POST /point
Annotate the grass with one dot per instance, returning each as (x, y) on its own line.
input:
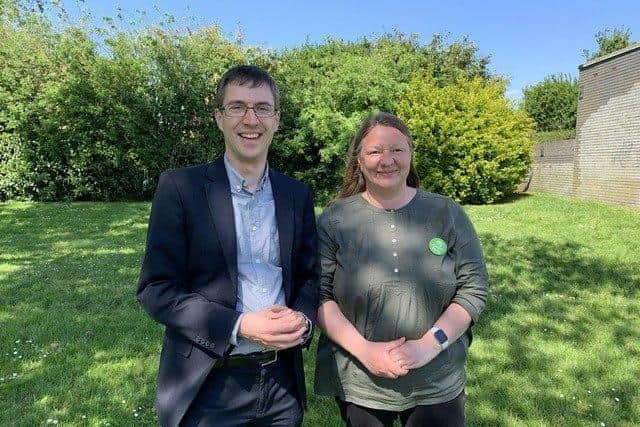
(554, 135)
(559, 342)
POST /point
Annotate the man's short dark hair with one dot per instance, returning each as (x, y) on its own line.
(246, 74)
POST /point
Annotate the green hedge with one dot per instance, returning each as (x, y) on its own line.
(82, 120)
(552, 103)
(469, 142)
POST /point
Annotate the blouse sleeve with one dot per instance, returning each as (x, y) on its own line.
(470, 268)
(327, 248)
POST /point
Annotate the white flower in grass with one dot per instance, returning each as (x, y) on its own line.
(602, 424)
(616, 399)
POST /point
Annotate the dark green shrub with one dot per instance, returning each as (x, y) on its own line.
(329, 88)
(552, 103)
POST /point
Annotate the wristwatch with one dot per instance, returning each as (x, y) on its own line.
(441, 336)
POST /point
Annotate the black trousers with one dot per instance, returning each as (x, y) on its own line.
(246, 396)
(447, 414)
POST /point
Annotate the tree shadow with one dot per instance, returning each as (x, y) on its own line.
(546, 336)
(560, 322)
(85, 352)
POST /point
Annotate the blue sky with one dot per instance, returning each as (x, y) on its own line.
(526, 40)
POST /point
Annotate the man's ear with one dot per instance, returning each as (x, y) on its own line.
(277, 121)
(218, 116)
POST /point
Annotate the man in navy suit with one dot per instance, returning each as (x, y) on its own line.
(230, 270)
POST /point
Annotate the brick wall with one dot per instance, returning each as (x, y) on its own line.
(603, 162)
(552, 168)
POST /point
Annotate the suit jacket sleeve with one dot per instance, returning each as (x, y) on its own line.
(306, 268)
(162, 288)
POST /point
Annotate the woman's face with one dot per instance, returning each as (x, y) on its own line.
(385, 159)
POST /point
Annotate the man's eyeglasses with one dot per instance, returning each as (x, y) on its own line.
(239, 110)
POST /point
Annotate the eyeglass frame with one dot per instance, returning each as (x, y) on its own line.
(224, 109)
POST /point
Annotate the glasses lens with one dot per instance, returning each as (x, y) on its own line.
(263, 110)
(235, 110)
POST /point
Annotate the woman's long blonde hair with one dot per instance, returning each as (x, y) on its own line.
(354, 182)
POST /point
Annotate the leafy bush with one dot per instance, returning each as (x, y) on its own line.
(329, 88)
(552, 103)
(100, 122)
(87, 120)
(609, 40)
(470, 143)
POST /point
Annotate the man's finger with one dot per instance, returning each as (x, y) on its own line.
(287, 339)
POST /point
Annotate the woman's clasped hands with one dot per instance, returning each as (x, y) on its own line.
(393, 359)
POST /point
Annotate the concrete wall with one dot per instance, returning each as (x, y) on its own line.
(603, 162)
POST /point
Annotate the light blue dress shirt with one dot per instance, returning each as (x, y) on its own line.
(258, 243)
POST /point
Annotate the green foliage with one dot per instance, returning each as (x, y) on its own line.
(88, 120)
(609, 40)
(470, 144)
(329, 88)
(552, 103)
(100, 122)
(554, 135)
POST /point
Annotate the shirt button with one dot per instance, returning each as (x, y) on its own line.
(395, 254)
(393, 226)
(395, 270)
(394, 240)
(254, 228)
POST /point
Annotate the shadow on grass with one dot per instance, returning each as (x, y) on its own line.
(68, 284)
(548, 335)
(85, 353)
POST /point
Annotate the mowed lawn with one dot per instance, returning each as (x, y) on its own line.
(559, 342)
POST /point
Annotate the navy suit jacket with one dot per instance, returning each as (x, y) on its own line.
(189, 276)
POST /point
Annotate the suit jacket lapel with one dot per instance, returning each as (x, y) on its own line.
(285, 220)
(221, 208)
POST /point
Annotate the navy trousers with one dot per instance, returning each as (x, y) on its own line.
(246, 396)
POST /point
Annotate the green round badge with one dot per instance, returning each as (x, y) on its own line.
(437, 246)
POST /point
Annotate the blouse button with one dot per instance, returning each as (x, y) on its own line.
(393, 226)
(395, 254)
(394, 240)
(395, 270)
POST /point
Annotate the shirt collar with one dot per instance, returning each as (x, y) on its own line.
(237, 181)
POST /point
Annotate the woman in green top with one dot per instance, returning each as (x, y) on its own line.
(403, 279)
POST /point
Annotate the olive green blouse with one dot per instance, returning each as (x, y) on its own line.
(378, 266)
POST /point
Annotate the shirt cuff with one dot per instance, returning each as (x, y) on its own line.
(305, 337)
(233, 339)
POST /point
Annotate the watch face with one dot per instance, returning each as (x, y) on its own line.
(441, 336)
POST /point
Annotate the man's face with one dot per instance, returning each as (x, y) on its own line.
(247, 138)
